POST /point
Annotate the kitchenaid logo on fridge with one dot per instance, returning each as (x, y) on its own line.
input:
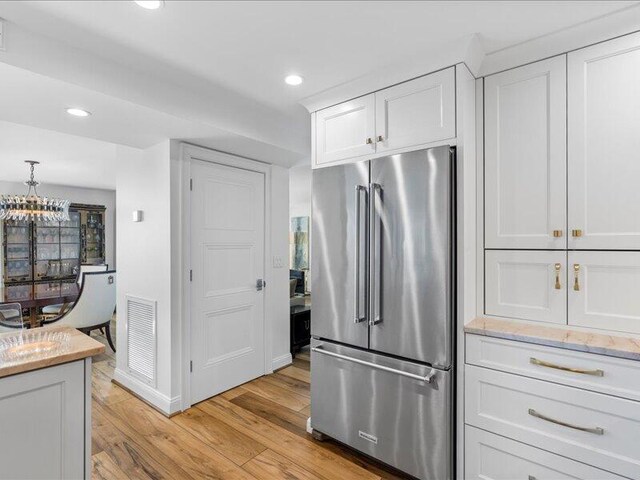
(368, 437)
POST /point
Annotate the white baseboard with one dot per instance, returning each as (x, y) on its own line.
(165, 404)
(281, 361)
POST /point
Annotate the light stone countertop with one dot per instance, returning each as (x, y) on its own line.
(614, 345)
(80, 346)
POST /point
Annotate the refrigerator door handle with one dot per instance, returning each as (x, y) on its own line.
(427, 378)
(375, 316)
(357, 318)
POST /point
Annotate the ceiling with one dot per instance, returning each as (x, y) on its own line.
(64, 159)
(212, 71)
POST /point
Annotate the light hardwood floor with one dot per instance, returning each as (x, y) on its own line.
(255, 431)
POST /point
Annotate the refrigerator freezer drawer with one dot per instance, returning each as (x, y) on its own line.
(396, 411)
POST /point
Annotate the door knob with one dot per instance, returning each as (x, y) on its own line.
(260, 284)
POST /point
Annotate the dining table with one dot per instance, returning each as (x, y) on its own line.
(35, 300)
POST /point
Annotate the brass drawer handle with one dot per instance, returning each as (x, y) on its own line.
(542, 363)
(380, 138)
(576, 233)
(557, 233)
(369, 141)
(594, 430)
(557, 267)
(576, 281)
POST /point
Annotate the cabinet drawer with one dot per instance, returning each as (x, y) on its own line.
(596, 429)
(599, 373)
(492, 457)
(530, 285)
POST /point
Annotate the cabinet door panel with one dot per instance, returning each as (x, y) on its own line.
(42, 414)
(416, 112)
(525, 156)
(603, 139)
(342, 131)
(607, 294)
(530, 285)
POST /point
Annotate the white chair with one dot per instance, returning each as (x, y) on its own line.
(52, 311)
(10, 317)
(95, 305)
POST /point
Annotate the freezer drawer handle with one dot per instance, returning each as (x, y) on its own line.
(427, 379)
(594, 430)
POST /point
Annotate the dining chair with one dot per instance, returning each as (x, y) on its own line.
(94, 307)
(10, 317)
(52, 311)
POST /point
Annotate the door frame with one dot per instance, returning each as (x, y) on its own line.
(187, 154)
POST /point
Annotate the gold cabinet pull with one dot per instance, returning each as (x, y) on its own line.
(576, 233)
(380, 138)
(557, 233)
(542, 363)
(369, 141)
(594, 430)
(576, 281)
(558, 267)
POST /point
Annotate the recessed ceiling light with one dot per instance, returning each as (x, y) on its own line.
(78, 112)
(293, 80)
(151, 4)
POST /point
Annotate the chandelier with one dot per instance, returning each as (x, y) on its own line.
(32, 206)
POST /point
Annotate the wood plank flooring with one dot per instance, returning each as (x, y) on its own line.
(255, 431)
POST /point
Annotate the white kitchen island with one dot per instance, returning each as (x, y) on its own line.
(45, 411)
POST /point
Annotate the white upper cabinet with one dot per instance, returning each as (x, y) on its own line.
(397, 119)
(525, 157)
(345, 131)
(530, 285)
(604, 145)
(604, 290)
(417, 112)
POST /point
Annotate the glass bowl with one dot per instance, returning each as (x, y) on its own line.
(28, 345)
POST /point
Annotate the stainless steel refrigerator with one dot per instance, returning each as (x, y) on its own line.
(383, 276)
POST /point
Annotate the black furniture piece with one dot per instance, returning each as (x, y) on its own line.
(300, 320)
(299, 276)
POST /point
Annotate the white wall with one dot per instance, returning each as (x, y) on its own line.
(278, 307)
(78, 195)
(300, 191)
(144, 261)
(300, 200)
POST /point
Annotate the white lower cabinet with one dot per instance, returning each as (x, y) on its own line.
(530, 285)
(595, 429)
(492, 457)
(45, 423)
(605, 290)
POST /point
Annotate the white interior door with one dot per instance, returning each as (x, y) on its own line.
(227, 258)
(604, 141)
(530, 285)
(525, 157)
